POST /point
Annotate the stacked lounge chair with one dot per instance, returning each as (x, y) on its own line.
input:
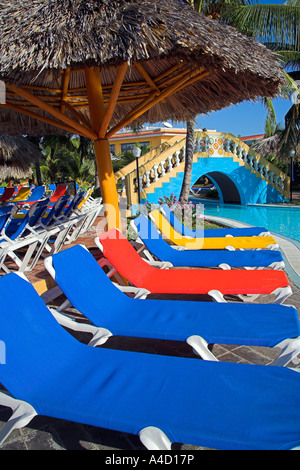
(157, 246)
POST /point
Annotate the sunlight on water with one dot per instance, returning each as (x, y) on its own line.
(282, 220)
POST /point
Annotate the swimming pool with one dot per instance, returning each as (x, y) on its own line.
(282, 220)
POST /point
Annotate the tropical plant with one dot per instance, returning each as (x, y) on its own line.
(66, 157)
(276, 26)
(191, 215)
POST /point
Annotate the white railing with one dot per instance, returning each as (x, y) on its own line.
(204, 143)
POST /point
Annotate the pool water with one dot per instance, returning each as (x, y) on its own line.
(281, 220)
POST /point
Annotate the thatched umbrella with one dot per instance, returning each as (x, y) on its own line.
(17, 155)
(92, 67)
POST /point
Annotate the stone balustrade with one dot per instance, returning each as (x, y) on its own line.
(204, 143)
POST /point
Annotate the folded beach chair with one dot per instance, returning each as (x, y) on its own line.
(210, 243)
(52, 187)
(54, 225)
(7, 195)
(163, 399)
(157, 246)
(210, 232)
(22, 194)
(72, 220)
(19, 234)
(55, 210)
(59, 191)
(35, 196)
(197, 323)
(217, 283)
(87, 199)
(6, 214)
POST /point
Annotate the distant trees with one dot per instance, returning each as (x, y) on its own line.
(278, 28)
(67, 157)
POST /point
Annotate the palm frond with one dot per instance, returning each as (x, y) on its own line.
(268, 23)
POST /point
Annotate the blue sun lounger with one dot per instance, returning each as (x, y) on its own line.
(163, 399)
(217, 232)
(92, 293)
(156, 245)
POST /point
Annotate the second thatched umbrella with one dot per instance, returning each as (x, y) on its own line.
(94, 67)
(17, 155)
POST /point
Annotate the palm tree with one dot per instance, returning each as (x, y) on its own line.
(276, 26)
(66, 156)
(213, 9)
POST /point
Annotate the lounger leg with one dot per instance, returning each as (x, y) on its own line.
(290, 348)
(100, 335)
(282, 293)
(154, 439)
(22, 414)
(248, 297)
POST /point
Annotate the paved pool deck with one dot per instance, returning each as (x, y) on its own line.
(44, 433)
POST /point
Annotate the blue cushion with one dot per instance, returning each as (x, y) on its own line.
(95, 296)
(213, 404)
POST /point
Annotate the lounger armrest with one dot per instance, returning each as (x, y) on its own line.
(273, 246)
(200, 347)
(154, 439)
(159, 264)
(140, 292)
(179, 248)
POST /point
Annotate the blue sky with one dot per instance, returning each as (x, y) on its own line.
(246, 118)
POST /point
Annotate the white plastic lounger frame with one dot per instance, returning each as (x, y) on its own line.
(8, 250)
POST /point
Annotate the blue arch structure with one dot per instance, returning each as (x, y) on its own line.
(235, 183)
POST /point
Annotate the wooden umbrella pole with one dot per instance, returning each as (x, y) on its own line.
(102, 152)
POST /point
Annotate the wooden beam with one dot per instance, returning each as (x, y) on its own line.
(113, 99)
(193, 80)
(95, 97)
(169, 72)
(146, 76)
(170, 80)
(50, 121)
(54, 112)
(152, 100)
(102, 151)
(78, 115)
(64, 94)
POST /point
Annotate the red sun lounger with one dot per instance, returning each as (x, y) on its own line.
(217, 283)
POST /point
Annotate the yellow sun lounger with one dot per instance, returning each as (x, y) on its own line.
(217, 243)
